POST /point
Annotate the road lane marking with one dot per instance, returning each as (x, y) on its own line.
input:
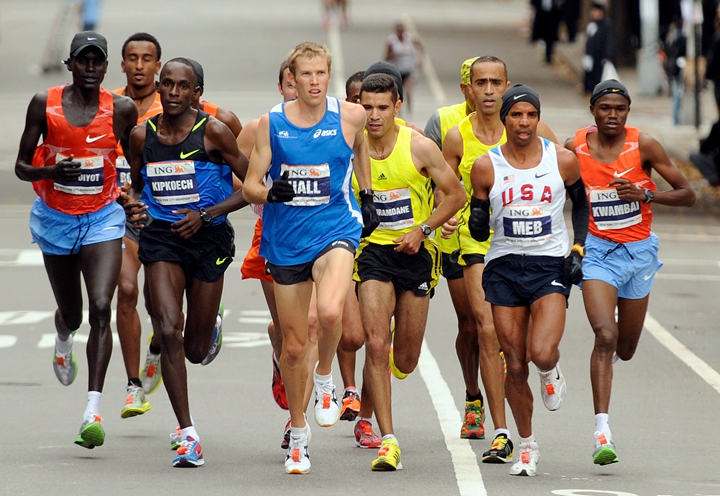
(467, 472)
(697, 364)
(7, 341)
(428, 67)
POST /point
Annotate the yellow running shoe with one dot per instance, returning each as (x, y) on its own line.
(135, 402)
(388, 459)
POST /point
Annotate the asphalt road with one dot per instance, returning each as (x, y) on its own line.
(664, 412)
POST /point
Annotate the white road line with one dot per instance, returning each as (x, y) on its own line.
(428, 67)
(467, 473)
(338, 62)
(7, 341)
(681, 351)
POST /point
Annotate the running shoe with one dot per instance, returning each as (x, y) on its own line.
(189, 454)
(504, 366)
(552, 388)
(527, 464)
(65, 366)
(91, 432)
(327, 409)
(175, 438)
(278, 387)
(388, 459)
(285, 444)
(150, 375)
(350, 405)
(395, 371)
(604, 453)
(473, 427)
(216, 342)
(135, 403)
(365, 436)
(501, 450)
(297, 460)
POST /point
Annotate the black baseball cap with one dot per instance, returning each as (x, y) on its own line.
(390, 70)
(86, 39)
(607, 87)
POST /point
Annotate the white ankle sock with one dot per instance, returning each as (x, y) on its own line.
(93, 404)
(389, 436)
(63, 346)
(602, 423)
(501, 431)
(530, 439)
(297, 432)
(190, 431)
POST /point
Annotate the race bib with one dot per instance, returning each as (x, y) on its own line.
(123, 170)
(173, 183)
(90, 182)
(610, 212)
(394, 209)
(311, 184)
(527, 225)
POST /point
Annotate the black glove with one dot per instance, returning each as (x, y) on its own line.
(369, 214)
(479, 223)
(281, 190)
(572, 269)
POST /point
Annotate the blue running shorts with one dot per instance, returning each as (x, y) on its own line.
(630, 267)
(58, 233)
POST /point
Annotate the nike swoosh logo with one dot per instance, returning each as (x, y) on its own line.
(93, 140)
(555, 283)
(541, 175)
(220, 261)
(622, 173)
(648, 276)
(184, 155)
(519, 96)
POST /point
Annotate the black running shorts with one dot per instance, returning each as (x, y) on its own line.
(204, 256)
(294, 274)
(519, 280)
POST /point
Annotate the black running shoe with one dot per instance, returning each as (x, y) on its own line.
(501, 450)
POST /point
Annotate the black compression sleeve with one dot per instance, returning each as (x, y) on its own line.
(580, 211)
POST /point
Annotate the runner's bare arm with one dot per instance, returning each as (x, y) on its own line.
(357, 116)
(35, 127)
(254, 190)
(230, 120)
(570, 171)
(137, 145)
(653, 154)
(125, 116)
(246, 138)
(482, 178)
(453, 149)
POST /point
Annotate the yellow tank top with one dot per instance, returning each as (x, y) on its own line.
(403, 196)
(450, 116)
(472, 149)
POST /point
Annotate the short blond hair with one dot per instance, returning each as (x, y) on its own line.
(308, 50)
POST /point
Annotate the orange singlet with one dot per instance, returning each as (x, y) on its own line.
(210, 108)
(123, 167)
(613, 219)
(94, 146)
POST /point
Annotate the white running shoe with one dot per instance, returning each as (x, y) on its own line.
(297, 460)
(327, 408)
(552, 388)
(528, 460)
(150, 375)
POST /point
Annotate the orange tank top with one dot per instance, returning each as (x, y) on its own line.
(94, 146)
(613, 219)
(123, 167)
(210, 108)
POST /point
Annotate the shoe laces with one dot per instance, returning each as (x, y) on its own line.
(64, 359)
(499, 443)
(185, 445)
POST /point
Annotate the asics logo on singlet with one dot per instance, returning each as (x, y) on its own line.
(184, 155)
(519, 96)
(283, 134)
(325, 132)
(88, 139)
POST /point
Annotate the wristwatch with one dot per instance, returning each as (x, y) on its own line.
(649, 196)
(205, 217)
(425, 229)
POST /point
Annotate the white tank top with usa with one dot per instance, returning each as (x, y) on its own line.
(527, 207)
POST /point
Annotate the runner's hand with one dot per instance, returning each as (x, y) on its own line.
(67, 169)
(410, 242)
(188, 225)
(573, 268)
(449, 228)
(281, 190)
(135, 212)
(479, 223)
(369, 214)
